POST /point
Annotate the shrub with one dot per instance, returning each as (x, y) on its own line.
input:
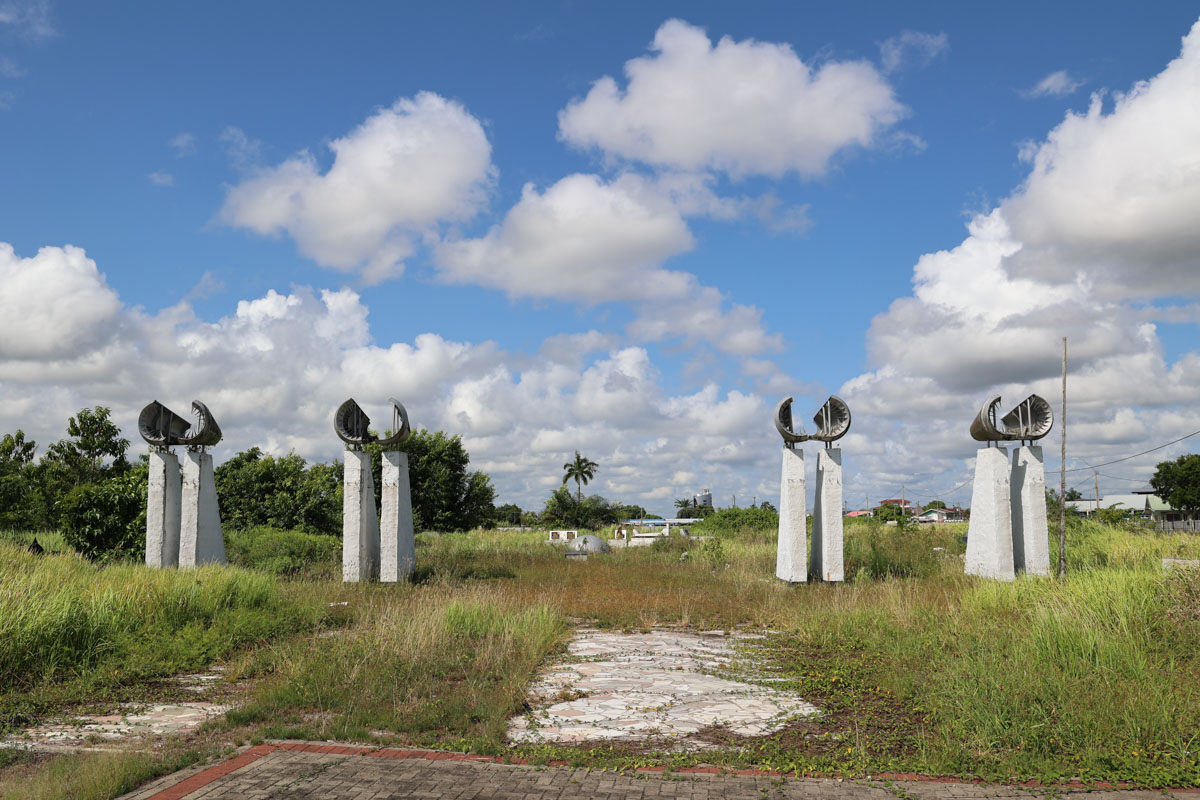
(106, 521)
(733, 521)
(286, 553)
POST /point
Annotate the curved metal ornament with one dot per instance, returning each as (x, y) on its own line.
(783, 423)
(205, 431)
(399, 424)
(1031, 420)
(352, 425)
(160, 426)
(833, 420)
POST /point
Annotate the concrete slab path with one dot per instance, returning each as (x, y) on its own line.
(302, 770)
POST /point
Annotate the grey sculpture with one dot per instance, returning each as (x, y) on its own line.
(832, 420)
(1031, 420)
(792, 562)
(183, 521)
(162, 427)
(1008, 532)
(375, 547)
(352, 425)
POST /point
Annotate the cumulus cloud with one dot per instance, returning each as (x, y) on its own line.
(1113, 197)
(1056, 84)
(161, 178)
(406, 169)
(275, 367)
(912, 48)
(744, 108)
(54, 304)
(29, 18)
(582, 239)
(1107, 219)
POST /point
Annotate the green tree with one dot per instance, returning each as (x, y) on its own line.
(256, 489)
(107, 520)
(16, 450)
(933, 504)
(508, 515)
(682, 505)
(94, 437)
(1178, 483)
(581, 470)
(591, 512)
(445, 495)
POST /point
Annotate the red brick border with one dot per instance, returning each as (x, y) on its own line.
(217, 771)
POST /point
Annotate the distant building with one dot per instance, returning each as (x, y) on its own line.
(942, 515)
(702, 499)
(905, 506)
(862, 512)
(1139, 504)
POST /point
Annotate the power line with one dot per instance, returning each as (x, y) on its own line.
(1127, 458)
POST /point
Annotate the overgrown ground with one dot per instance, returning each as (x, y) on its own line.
(917, 668)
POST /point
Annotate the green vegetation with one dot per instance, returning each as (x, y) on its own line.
(1178, 483)
(916, 667)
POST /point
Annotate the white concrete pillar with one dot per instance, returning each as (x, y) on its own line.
(397, 548)
(360, 525)
(163, 499)
(1031, 534)
(989, 536)
(200, 537)
(791, 555)
(827, 555)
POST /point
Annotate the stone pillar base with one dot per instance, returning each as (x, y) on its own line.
(791, 557)
(360, 526)
(990, 534)
(164, 498)
(397, 547)
(1031, 533)
(827, 552)
(200, 537)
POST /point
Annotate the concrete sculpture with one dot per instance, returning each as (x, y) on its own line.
(375, 547)
(1008, 532)
(183, 521)
(791, 559)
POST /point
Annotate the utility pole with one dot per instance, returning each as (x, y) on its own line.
(903, 505)
(1096, 484)
(1062, 477)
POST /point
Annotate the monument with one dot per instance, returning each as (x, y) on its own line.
(1008, 531)
(792, 563)
(373, 547)
(183, 521)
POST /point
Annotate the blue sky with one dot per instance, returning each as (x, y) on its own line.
(738, 213)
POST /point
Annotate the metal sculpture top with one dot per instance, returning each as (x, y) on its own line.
(832, 419)
(352, 425)
(1029, 421)
(162, 427)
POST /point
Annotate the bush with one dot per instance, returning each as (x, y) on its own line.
(734, 521)
(287, 553)
(107, 521)
(880, 551)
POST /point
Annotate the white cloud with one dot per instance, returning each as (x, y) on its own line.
(912, 48)
(1114, 197)
(405, 170)
(53, 305)
(1109, 216)
(161, 178)
(244, 152)
(275, 368)
(29, 18)
(1056, 84)
(583, 239)
(744, 107)
(10, 68)
(700, 315)
(184, 143)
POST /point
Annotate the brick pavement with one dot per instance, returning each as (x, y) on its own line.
(299, 770)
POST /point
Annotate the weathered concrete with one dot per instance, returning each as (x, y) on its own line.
(397, 546)
(827, 551)
(360, 525)
(163, 501)
(1030, 532)
(791, 555)
(989, 536)
(200, 537)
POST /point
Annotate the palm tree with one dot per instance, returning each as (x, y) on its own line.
(683, 504)
(581, 470)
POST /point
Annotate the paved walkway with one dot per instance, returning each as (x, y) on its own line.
(634, 686)
(299, 770)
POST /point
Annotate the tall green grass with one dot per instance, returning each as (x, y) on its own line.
(64, 619)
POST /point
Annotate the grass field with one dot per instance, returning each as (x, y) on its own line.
(917, 667)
